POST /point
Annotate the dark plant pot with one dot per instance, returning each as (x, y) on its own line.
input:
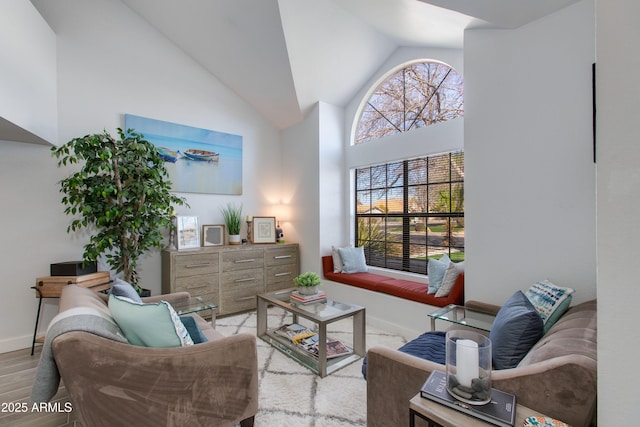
(145, 293)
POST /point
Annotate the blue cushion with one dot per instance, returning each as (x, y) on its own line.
(120, 288)
(435, 270)
(517, 327)
(194, 330)
(429, 346)
(353, 260)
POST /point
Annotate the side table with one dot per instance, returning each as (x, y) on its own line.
(461, 315)
(438, 415)
(196, 305)
(51, 287)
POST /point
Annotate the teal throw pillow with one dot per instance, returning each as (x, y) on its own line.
(435, 270)
(517, 328)
(353, 260)
(194, 330)
(120, 288)
(550, 301)
(149, 325)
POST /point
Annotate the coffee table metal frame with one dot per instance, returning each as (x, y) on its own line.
(322, 314)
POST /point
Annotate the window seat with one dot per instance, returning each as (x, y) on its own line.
(406, 289)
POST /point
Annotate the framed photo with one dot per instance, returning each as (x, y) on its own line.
(213, 235)
(263, 229)
(188, 232)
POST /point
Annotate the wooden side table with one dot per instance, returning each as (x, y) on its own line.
(438, 415)
(51, 287)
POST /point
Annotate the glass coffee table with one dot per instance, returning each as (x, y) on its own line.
(461, 315)
(321, 314)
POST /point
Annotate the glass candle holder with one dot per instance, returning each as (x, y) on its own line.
(468, 356)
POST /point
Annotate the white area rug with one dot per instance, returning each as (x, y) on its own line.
(292, 395)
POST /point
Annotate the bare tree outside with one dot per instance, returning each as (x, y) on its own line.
(416, 96)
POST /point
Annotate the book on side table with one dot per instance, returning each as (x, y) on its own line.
(501, 411)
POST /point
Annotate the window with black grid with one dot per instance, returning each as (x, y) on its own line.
(411, 210)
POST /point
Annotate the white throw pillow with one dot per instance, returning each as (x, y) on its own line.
(337, 260)
(450, 276)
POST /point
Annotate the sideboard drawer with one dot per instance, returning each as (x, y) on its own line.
(242, 260)
(280, 256)
(193, 264)
(282, 273)
(252, 276)
(198, 285)
(240, 294)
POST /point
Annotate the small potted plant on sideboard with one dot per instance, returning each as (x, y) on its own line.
(232, 216)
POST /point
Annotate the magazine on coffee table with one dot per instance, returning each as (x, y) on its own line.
(500, 411)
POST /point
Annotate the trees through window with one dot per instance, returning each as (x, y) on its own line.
(416, 96)
(411, 210)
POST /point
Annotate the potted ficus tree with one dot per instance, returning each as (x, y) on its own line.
(121, 195)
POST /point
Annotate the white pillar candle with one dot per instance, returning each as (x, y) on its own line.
(466, 361)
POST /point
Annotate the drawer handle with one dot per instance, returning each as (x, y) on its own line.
(288, 273)
(197, 286)
(205, 264)
(282, 256)
(245, 298)
(244, 260)
(247, 279)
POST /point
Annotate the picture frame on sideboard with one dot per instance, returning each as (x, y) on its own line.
(213, 235)
(263, 229)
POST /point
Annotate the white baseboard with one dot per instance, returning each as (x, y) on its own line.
(16, 343)
(388, 312)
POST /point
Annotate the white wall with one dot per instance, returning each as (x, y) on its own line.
(27, 72)
(618, 209)
(529, 184)
(110, 62)
(313, 185)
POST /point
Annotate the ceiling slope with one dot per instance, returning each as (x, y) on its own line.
(241, 42)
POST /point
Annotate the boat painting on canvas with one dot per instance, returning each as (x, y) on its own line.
(197, 160)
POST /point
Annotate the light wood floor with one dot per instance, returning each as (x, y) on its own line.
(17, 371)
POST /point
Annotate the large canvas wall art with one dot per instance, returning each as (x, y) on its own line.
(197, 160)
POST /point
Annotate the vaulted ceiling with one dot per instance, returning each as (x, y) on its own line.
(282, 56)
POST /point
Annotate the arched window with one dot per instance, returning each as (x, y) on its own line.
(409, 211)
(416, 96)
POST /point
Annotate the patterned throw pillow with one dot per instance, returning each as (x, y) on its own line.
(149, 325)
(550, 301)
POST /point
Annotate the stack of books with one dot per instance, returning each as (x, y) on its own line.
(319, 296)
(501, 411)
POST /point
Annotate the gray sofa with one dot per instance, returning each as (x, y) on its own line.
(115, 383)
(557, 377)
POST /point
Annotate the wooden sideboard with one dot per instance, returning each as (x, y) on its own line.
(230, 276)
